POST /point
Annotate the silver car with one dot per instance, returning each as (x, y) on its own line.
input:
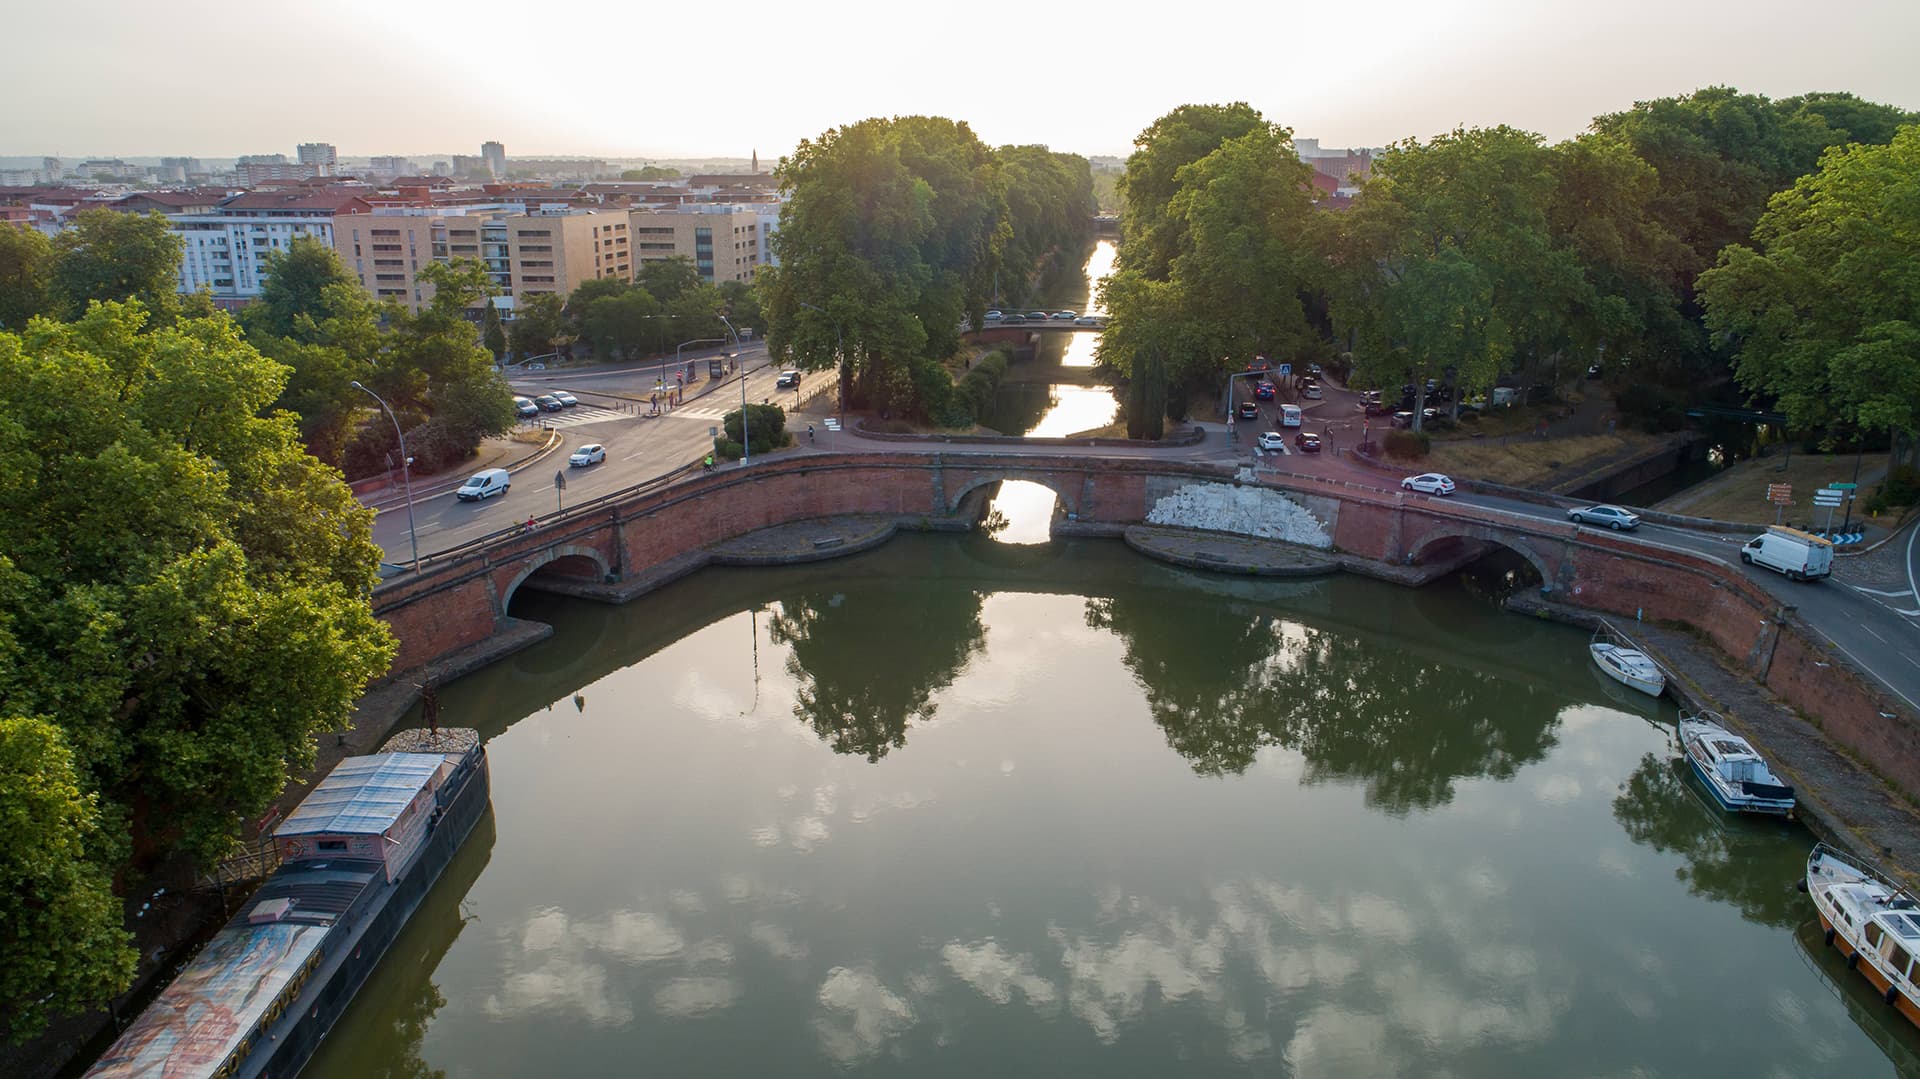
(1611, 516)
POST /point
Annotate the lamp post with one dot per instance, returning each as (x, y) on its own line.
(406, 472)
(840, 354)
(746, 450)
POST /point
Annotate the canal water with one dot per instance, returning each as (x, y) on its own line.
(958, 807)
(1057, 409)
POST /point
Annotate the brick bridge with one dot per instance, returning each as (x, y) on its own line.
(631, 544)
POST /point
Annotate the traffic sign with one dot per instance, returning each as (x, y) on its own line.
(1842, 486)
(1286, 369)
(1826, 498)
(1780, 494)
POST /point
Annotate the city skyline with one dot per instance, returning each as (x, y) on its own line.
(436, 76)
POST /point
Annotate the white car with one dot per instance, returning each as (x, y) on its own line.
(1273, 440)
(566, 399)
(590, 454)
(1090, 320)
(1612, 516)
(994, 316)
(1432, 483)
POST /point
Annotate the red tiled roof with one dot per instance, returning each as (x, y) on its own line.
(315, 202)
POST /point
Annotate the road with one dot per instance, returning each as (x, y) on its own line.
(1876, 637)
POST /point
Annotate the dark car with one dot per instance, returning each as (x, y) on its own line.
(548, 404)
(787, 378)
(1307, 441)
(1249, 410)
(1010, 320)
(1375, 408)
(1263, 390)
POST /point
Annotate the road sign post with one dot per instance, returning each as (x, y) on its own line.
(559, 486)
(1847, 517)
(1830, 498)
(1781, 495)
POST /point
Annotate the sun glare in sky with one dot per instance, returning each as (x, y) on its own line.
(625, 80)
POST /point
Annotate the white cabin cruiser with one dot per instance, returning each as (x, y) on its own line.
(1734, 773)
(1874, 922)
(1629, 667)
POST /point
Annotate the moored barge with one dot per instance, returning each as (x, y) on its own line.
(357, 857)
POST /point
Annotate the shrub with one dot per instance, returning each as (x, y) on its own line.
(973, 396)
(1902, 486)
(766, 427)
(1407, 444)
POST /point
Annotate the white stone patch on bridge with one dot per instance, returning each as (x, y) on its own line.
(1244, 511)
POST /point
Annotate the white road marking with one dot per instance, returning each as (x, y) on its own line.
(1876, 636)
(1911, 703)
(1877, 592)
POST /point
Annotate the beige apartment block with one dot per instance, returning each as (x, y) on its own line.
(724, 246)
(554, 252)
(524, 253)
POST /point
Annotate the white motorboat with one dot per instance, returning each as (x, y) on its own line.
(1629, 667)
(1874, 922)
(1734, 773)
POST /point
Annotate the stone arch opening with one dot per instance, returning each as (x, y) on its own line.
(1496, 567)
(1065, 500)
(565, 570)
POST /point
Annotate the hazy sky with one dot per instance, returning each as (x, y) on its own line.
(88, 77)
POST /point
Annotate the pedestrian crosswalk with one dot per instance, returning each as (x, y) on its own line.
(578, 415)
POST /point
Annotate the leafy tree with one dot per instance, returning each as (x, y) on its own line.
(896, 227)
(539, 324)
(62, 946)
(1826, 312)
(651, 172)
(493, 335)
(1172, 142)
(621, 323)
(457, 284)
(1050, 209)
(1448, 265)
(110, 256)
(667, 280)
(26, 268)
(188, 595)
(741, 303)
(295, 298)
(314, 317)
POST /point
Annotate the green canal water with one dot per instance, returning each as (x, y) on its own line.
(959, 807)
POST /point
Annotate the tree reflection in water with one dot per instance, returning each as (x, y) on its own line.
(1226, 683)
(1727, 858)
(865, 667)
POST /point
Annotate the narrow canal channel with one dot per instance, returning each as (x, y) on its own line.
(962, 807)
(1029, 404)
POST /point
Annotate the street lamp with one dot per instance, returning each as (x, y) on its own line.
(839, 355)
(746, 450)
(406, 472)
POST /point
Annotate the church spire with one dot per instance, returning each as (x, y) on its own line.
(756, 161)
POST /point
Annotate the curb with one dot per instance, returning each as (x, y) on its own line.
(400, 498)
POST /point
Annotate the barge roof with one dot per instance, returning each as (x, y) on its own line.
(363, 795)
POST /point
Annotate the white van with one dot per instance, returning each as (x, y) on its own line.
(1799, 555)
(484, 484)
(1290, 415)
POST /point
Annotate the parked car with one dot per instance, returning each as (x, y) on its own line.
(1313, 369)
(1039, 316)
(1008, 320)
(1432, 483)
(548, 403)
(484, 484)
(590, 454)
(1403, 418)
(787, 378)
(994, 316)
(536, 367)
(1311, 392)
(1090, 320)
(566, 399)
(1065, 316)
(525, 407)
(1307, 441)
(1375, 408)
(1612, 516)
(1249, 410)
(1263, 390)
(1273, 440)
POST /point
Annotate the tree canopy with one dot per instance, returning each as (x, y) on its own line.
(1824, 309)
(184, 589)
(107, 255)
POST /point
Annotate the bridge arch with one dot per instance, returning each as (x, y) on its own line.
(1066, 490)
(562, 560)
(1471, 544)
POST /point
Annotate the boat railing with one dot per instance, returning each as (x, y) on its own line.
(1896, 890)
(255, 859)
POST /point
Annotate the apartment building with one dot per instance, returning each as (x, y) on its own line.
(227, 249)
(724, 243)
(524, 253)
(494, 155)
